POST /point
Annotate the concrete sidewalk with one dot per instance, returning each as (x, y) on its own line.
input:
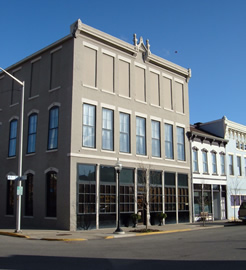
(108, 233)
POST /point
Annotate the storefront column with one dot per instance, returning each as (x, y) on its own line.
(97, 195)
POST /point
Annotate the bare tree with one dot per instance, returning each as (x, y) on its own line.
(233, 190)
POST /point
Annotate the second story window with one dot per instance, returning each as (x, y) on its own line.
(214, 163)
(155, 130)
(222, 164)
(231, 169)
(140, 136)
(53, 128)
(195, 159)
(107, 129)
(124, 132)
(89, 126)
(12, 138)
(239, 169)
(180, 143)
(205, 161)
(32, 131)
(169, 141)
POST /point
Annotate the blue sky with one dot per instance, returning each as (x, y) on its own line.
(208, 35)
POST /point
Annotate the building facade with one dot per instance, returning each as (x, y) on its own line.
(90, 100)
(235, 133)
(208, 170)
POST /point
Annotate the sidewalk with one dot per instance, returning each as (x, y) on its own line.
(108, 233)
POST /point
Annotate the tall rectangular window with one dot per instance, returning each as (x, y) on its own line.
(214, 163)
(12, 138)
(55, 70)
(156, 145)
(51, 194)
(29, 195)
(107, 129)
(231, 169)
(124, 132)
(169, 141)
(35, 78)
(222, 164)
(205, 161)
(53, 128)
(89, 126)
(32, 131)
(239, 168)
(140, 136)
(195, 160)
(180, 143)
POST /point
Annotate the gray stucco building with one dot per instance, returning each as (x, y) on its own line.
(91, 99)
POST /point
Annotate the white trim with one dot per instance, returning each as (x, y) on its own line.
(108, 53)
(107, 106)
(108, 92)
(134, 162)
(167, 76)
(14, 118)
(154, 71)
(180, 125)
(155, 118)
(122, 110)
(122, 58)
(56, 49)
(139, 65)
(168, 122)
(89, 101)
(89, 45)
(141, 115)
(29, 171)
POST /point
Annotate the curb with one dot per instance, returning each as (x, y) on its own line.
(14, 235)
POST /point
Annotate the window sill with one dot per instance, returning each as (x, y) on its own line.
(9, 158)
(51, 150)
(108, 151)
(30, 154)
(51, 218)
(34, 97)
(55, 89)
(88, 86)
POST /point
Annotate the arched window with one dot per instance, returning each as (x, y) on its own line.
(51, 193)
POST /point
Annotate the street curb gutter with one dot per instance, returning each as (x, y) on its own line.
(14, 235)
(147, 233)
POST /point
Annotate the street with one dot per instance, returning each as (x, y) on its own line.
(215, 248)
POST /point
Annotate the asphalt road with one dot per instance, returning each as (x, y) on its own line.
(220, 248)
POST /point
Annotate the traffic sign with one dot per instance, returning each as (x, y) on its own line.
(12, 177)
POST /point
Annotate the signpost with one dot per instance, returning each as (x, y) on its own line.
(18, 207)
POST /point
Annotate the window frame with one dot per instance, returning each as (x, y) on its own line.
(155, 138)
(125, 132)
(107, 129)
(13, 126)
(169, 141)
(53, 128)
(180, 143)
(88, 125)
(32, 133)
(141, 136)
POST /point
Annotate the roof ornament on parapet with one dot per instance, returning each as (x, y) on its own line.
(75, 26)
(145, 49)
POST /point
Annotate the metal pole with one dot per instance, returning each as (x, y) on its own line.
(19, 187)
(18, 207)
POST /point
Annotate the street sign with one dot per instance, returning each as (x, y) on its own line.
(12, 177)
(16, 178)
(19, 191)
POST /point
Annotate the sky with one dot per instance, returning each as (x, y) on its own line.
(208, 36)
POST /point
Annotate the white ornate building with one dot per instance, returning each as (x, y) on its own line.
(235, 133)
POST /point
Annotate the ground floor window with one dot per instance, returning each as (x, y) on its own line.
(51, 194)
(29, 195)
(10, 197)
